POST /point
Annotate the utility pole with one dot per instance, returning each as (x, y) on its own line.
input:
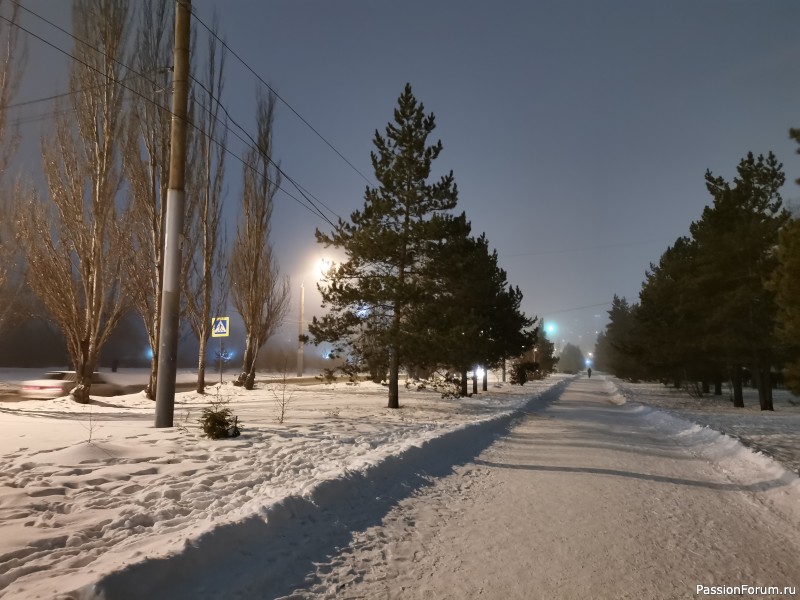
(171, 294)
(300, 333)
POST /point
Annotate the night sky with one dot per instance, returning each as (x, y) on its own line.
(578, 132)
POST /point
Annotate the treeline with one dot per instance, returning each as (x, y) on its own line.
(721, 305)
(86, 248)
(416, 289)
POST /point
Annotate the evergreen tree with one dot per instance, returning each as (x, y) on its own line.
(736, 239)
(371, 294)
(786, 284)
(472, 316)
(619, 351)
(671, 317)
(571, 359)
(544, 354)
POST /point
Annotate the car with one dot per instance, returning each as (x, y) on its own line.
(55, 384)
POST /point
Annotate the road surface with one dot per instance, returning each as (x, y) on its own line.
(582, 500)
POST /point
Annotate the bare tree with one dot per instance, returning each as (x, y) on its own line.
(12, 60)
(260, 294)
(207, 273)
(147, 168)
(73, 242)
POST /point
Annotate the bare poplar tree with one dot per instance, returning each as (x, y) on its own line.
(260, 294)
(207, 274)
(147, 168)
(12, 60)
(73, 241)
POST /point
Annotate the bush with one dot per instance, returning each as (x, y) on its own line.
(328, 375)
(446, 384)
(218, 421)
(523, 371)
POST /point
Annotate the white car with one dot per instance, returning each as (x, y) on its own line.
(59, 383)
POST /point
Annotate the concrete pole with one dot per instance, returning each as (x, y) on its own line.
(301, 330)
(170, 297)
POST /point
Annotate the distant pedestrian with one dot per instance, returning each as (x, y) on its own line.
(589, 370)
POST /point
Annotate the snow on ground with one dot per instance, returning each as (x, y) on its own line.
(87, 490)
(97, 503)
(584, 498)
(776, 434)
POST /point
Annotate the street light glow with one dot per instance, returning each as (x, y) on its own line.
(322, 267)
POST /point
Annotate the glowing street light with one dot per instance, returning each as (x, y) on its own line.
(320, 271)
(301, 327)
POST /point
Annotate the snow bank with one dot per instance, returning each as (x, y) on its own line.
(752, 467)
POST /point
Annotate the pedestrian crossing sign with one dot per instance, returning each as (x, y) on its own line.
(220, 326)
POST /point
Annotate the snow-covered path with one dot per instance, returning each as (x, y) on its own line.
(586, 499)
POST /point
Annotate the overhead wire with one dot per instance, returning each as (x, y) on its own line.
(255, 144)
(577, 308)
(271, 89)
(25, 119)
(312, 209)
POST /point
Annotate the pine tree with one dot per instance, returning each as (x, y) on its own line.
(473, 314)
(671, 317)
(571, 359)
(786, 284)
(736, 237)
(370, 294)
(620, 351)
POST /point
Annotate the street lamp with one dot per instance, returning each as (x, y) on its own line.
(321, 268)
(301, 328)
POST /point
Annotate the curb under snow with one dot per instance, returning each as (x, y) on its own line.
(269, 555)
(753, 470)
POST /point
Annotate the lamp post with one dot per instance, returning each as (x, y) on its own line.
(301, 328)
(320, 271)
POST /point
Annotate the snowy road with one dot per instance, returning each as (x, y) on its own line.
(585, 499)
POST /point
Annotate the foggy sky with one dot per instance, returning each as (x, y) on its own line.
(578, 132)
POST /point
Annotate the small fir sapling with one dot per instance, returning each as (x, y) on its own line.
(218, 421)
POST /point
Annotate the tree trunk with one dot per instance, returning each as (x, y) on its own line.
(250, 381)
(464, 392)
(485, 380)
(474, 380)
(247, 361)
(394, 375)
(248, 376)
(150, 390)
(736, 379)
(201, 366)
(717, 387)
(765, 389)
(83, 375)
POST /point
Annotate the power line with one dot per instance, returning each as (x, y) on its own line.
(254, 143)
(577, 308)
(314, 210)
(277, 95)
